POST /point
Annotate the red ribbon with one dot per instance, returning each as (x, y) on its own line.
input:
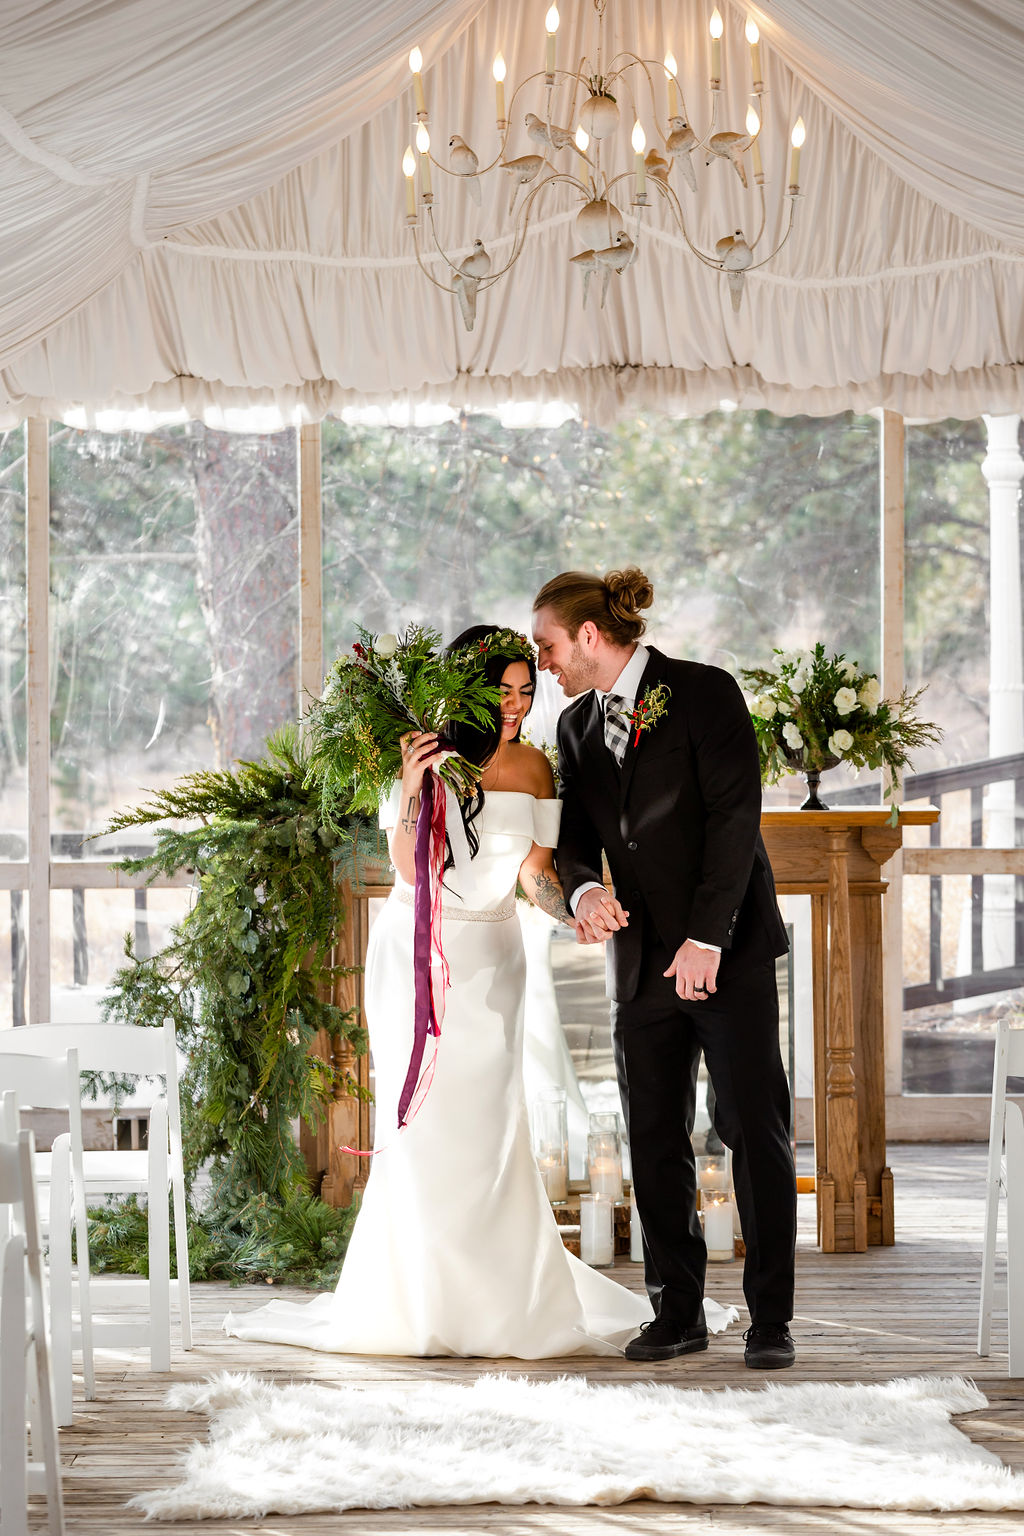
(428, 954)
(428, 1010)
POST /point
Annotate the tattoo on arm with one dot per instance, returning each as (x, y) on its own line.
(408, 822)
(547, 894)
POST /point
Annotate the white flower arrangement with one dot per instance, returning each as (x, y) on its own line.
(811, 711)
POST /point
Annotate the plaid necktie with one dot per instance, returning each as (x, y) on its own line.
(616, 729)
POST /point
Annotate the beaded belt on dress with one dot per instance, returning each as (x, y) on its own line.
(463, 914)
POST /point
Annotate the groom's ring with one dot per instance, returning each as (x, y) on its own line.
(704, 990)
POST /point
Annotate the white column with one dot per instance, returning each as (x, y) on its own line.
(892, 462)
(37, 561)
(1003, 468)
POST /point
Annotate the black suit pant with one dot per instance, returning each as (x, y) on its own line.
(658, 1039)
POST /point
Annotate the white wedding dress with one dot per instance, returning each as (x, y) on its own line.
(455, 1250)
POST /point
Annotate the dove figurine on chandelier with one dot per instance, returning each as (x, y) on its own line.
(464, 163)
(467, 281)
(521, 172)
(680, 144)
(730, 146)
(549, 134)
(735, 257)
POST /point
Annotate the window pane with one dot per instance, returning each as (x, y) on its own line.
(13, 653)
(955, 928)
(174, 636)
(174, 633)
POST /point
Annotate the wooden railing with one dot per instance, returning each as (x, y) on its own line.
(975, 860)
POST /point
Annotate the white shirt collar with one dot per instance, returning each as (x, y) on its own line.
(627, 684)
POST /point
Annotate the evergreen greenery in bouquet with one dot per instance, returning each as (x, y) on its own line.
(813, 710)
(389, 685)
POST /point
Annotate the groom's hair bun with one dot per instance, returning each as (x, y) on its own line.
(612, 602)
(628, 592)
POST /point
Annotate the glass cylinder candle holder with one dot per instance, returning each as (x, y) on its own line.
(713, 1174)
(604, 1163)
(716, 1210)
(636, 1235)
(596, 1238)
(604, 1120)
(551, 1142)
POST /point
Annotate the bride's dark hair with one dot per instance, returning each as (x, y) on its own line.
(477, 743)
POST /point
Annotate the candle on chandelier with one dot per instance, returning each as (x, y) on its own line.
(754, 39)
(582, 145)
(416, 65)
(796, 138)
(716, 26)
(423, 145)
(498, 71)
(754, 129)
(639, 142)
(409, 172)
(551, 27)
(673, 92)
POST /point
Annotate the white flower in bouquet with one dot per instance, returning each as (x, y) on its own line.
(870, 695)
(386, 645)
(828, 708)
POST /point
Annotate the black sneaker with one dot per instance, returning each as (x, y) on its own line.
(663, 1339)
(769, 1347)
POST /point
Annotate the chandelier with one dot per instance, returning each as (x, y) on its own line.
(576, 144)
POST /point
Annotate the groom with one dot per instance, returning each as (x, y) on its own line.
(659, 771)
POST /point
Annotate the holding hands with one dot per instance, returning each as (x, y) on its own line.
(598, 916)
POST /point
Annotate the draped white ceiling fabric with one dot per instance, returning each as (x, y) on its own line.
(203, 213)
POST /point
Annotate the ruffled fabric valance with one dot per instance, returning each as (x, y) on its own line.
(204, 215)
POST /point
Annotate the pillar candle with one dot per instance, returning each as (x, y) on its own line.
(717, 1211)
(596, 1242)
(636, 1234)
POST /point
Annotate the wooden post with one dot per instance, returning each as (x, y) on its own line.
(37, 561)
(893, 486)
(840, 1082)
(342, 1129)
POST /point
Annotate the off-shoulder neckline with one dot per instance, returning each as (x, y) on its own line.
(524, 794)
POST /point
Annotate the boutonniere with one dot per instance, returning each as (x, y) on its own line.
(649, 709)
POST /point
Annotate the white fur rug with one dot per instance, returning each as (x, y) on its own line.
(507, 1440)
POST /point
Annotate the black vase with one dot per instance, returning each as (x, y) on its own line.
(812, 803)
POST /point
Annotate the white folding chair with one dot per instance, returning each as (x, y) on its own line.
(1005, 1173)
(26, 1385)
(154, 1172)
(52, 1082)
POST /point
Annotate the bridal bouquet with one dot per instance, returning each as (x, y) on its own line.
(812, 711)
(388, 685)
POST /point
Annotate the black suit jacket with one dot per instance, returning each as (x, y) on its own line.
(679, 823)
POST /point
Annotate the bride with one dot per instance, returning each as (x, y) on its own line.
(455, 1249)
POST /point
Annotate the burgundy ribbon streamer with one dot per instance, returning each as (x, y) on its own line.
(428, 1010)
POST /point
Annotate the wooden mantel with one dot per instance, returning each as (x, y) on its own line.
(836, 857)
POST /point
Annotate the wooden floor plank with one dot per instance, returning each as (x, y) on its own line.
(907, 1310)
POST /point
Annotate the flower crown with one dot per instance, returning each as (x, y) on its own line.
(500, 642)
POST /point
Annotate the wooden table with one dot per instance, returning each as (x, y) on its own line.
(836, 857)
